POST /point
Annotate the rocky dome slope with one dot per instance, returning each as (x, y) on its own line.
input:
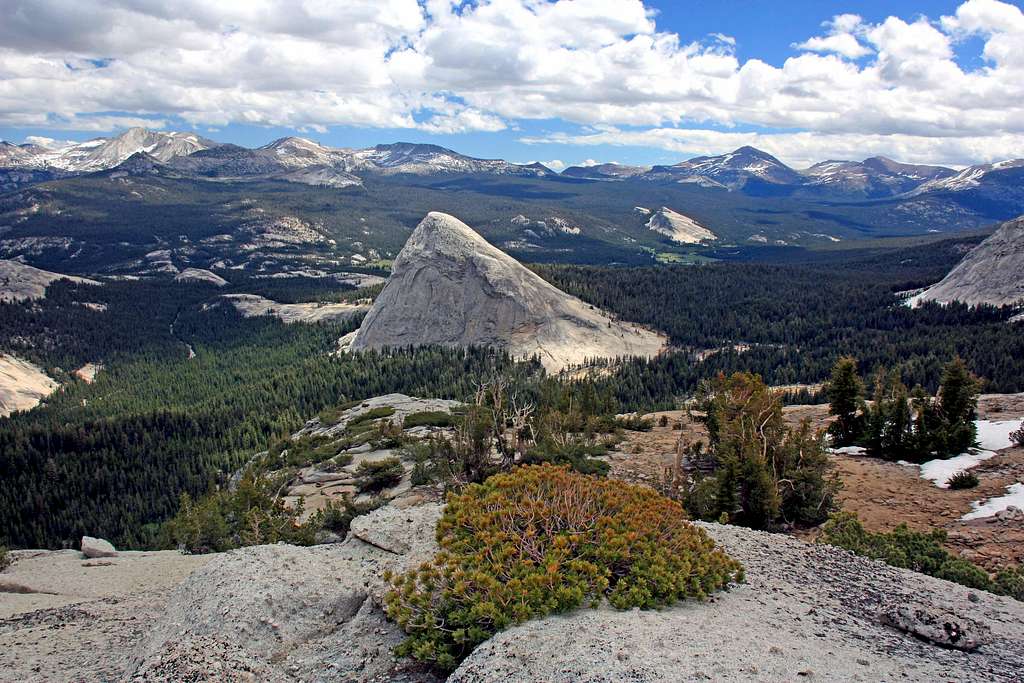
(992, 273)
(285, 613)
(449, 286)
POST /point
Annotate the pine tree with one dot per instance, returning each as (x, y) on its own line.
(845, 392)
(958, 403)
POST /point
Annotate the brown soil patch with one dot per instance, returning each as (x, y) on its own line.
(882, 494)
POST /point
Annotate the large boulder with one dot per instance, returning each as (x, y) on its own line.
(97, 547)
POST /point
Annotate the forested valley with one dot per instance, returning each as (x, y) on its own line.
(112, 457)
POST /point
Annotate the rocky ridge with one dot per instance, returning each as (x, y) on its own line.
(450, 287)
(251, 305)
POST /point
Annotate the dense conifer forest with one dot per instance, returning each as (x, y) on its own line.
(790, 323)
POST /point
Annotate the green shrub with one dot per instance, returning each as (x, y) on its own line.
(251, 514)
(964, 479)
(361, 422)
(1009, 581)
(5, 558)
(922, 552)
(959, 570)
(541, 540)
(332, 415)
(379, 474)
(428, 418)
(337, 517)
(423, 456)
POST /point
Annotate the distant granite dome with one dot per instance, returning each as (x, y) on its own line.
(992, 273)
(449, 286)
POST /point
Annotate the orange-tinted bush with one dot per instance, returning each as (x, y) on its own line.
(543, 539)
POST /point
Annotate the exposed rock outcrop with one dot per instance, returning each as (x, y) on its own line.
(283, 613)
(22, 384)
(807, 612)
(250, 305)
(200, 275)
(97, 547)
(450, 287)
(679, 228)
(21, 282)
(992, 273)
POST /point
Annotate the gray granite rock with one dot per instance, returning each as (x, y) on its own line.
(992, 273)
(449, 286)
(97, 547)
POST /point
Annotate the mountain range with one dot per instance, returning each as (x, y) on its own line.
(148, 202)
(293, 159)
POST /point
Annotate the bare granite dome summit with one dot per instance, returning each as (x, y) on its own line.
(992, 273)
(449, 286)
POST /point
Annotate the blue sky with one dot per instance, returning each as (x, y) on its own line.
(559, 82)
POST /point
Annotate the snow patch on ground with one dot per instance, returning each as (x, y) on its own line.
(850, 450)
(939, 471)
(1014, 497)
(993, 435)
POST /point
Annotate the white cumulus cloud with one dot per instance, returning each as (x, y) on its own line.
(451, 67)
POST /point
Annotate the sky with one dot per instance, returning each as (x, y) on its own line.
(559, 81)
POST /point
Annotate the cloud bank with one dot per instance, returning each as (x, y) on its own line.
(895, 87)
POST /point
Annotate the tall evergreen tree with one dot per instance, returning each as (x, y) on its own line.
(958, 403)
(845, 392)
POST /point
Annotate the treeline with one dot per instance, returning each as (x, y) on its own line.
(790, 323)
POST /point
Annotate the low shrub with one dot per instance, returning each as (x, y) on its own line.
(1017, 437)
(964, 572)
(921, 552)
(5, 558)
(541, 540)
(251, 514)
(337, 517)
(428, 418)
(1010, 581)
(332, 415)
(377, 475)
(362, 421)
(963, 480)
(635, 423)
